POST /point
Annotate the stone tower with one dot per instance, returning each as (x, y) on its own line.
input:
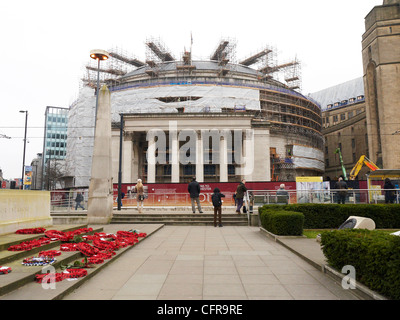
(381, 63)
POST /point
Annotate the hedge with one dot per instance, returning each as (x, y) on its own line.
(375, 255)
(288, 223)
(331, 216)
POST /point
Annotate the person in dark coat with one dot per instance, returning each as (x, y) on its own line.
(217, 203)
(240, 192)
(78, 200)
(389, 191)
(282, 195)
(194, 190)
(341, 185)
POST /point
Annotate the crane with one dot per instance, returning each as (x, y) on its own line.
(341, 162)
(363, 160)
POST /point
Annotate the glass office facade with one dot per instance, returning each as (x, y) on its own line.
(55, 136)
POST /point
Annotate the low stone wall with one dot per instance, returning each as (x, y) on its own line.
(20, 209)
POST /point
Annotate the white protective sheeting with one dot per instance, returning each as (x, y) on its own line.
(80, 140)
(309, 158)
(145, 100)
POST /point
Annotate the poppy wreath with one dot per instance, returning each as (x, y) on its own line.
(30, 231)
(104, 235)
(125, 234)
(77, 232)
(105, 254)
(121, 243)
(103, 244)
(49, 277)
(142, 235)
(28, 245)
(87, 249)
(57, 277)
(68, 247)
(55, 234)
(94, 260)
(50, 253)
(5, 270)
(89, 237)
(128, 240)
(74, 273)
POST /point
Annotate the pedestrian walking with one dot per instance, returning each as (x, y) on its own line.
(240, 191)
(341, 185)
(389, 191)
(216, 199)
(139, 195)
(78, 200)
(194, 191)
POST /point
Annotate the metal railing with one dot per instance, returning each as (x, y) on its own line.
(66, 200)
(351, 196)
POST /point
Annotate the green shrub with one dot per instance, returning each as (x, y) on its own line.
(288, 223)
(331, 216)
(375, 255)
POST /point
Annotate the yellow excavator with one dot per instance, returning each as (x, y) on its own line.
(363, 160)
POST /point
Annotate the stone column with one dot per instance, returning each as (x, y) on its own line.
(223, 156)
(100, 204)
(151, 159)
(174, 155)
(262, 171)
(135, 163)
(199, 157)
(248, 161)
(127, 149)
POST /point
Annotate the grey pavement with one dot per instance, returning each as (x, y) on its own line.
(208, 263)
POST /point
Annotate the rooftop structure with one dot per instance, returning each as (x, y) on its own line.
(263, 91)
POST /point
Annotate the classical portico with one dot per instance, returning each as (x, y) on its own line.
(173, 147)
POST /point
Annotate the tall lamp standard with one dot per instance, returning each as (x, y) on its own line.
(99, 55)
(23, 159)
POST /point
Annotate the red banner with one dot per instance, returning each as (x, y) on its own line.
(176, 194)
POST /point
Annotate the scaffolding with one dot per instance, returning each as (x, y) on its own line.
(118, 64)
(186, 63)
(255, 58)
(156, 53)
(269, 69)
(225, 55)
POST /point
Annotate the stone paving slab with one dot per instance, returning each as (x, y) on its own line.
(207, 263)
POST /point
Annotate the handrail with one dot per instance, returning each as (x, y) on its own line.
(65, 200)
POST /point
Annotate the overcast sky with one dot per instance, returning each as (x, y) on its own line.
(45, 46)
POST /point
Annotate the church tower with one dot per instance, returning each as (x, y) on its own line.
(381, 63)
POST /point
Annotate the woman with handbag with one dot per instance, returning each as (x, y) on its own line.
(139, 195)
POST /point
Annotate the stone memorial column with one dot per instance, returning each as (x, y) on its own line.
(100, 203)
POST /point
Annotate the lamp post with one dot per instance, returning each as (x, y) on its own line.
(23, 159)
(99, 55)
(121, 132)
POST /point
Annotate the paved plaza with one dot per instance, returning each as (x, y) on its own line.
(208, 263)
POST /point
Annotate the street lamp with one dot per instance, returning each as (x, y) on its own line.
(23, 159)
(99, 55)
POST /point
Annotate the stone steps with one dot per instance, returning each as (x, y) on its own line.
(20, 283)
(22, 275)
(197, 219)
